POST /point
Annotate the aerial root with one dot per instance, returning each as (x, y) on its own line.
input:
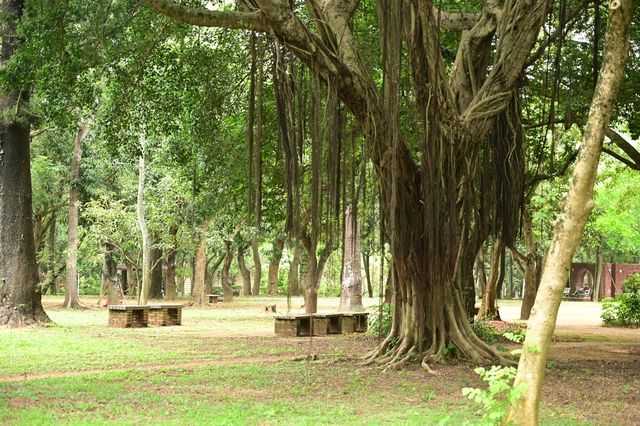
(398, 362)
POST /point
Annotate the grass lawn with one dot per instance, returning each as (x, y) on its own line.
(224, 366)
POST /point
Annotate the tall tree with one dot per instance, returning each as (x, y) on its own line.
(20, 297)
(71, 299)
(574, 215)
(430, 203)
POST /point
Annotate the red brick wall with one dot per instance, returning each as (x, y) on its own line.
(619, 272)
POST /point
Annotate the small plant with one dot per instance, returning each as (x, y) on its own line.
(380, 325)
(625, 310)
(497, 398)
(485, 332)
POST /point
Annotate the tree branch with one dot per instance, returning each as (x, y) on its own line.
(628, 149)
(620, 158)
(210, 18)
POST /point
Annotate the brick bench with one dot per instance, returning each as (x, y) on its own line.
(128, 316)
(213, 298)
(165, 314)
(327, 324)
(293, 325)
(354, 322)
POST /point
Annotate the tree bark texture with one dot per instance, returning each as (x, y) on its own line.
(530, 262)
(171, 285)
(198, 290)
(71, 297)
(155, 290)
(110, 277)
(293, 275)
(227, 285)
(351, 294)
(274, 267)
(144, 231)
(489, 308)
(573, 217)
(244, 271)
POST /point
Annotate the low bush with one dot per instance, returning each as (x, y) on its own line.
(380, 325)
(625, 310)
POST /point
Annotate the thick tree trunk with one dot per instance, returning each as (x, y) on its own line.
(244, 271)
(530, 262)
(274, 267)
(19, 288)
(574, 215)
(200, 268)
(155, 291)
(351, 294)
(171, 287)
(257, 167)
(227, 287)
(124, 281)
(71, 299)
(489, 308)
(293, 275)
(480, 273)
(110, 277)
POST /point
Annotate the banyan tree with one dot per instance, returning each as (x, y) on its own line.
(450, 181)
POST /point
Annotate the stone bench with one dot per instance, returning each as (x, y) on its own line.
(128, 316)
(293, 325)
(167, 314)
(213, 298)
(354, 322)
(327, 324)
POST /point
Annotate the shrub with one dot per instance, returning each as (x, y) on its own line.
(380, 326)
(625, 310)
(496, 399)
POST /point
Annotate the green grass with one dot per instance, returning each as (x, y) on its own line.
(222, 367)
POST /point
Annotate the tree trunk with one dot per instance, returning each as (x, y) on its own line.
(351, 294)
(257, 167)
(293, 276)
(244, 271)
(110, 277)
(71, 299)
(20, 298)
(227, 287)
(530, 281)
(366, 261)
(155, 292)
(198, 286)
(124, 281)
(274, 267)
(388, 289)
(142, 223)
(51, 275)
(480, 273)
(171, 287)
(597, 284)
(574, 215)
(489, 308)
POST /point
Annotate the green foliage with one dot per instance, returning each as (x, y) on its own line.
(499, 394)
(380, 325)
(485, 332)
(625, 310)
